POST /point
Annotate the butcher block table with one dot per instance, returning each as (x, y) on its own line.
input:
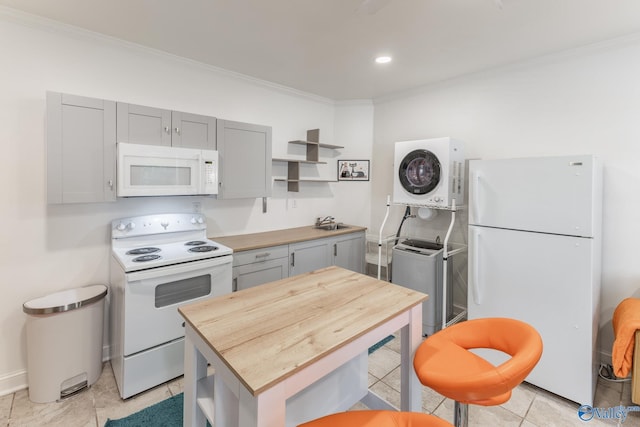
(268, 343)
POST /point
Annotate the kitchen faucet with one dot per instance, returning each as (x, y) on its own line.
(326, 220)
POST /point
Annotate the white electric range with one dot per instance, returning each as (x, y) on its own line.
(158, 263)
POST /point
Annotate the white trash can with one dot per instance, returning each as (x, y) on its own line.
(64, 342)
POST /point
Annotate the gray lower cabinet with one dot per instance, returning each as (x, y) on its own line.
(244, 150)
(308, 256)
(139, 124)
(345, 251)
(349, 251)
(259, 266)
(253, 268)
(81, 149)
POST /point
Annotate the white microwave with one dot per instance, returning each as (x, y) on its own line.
(152, 170)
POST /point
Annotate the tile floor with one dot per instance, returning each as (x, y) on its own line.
(528, 407)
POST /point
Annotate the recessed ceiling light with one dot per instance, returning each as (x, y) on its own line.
(383, 59)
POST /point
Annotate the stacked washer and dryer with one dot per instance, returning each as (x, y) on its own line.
(428, 173)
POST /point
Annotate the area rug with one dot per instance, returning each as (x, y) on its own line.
(168, 413)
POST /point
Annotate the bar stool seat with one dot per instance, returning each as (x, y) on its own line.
(377, 419)
(444, 363)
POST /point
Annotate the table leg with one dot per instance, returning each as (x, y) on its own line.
(411, 336)
(265, 410)
(195, 368)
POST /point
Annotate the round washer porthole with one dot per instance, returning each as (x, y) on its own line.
(419, 172)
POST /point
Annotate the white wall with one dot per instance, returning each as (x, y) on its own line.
(49, 248)
(585, 101)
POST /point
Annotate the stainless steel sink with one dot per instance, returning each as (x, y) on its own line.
(332, 226)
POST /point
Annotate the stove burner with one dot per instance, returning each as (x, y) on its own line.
(143, 251)
(145, 258)
(195, 243)
(203, 249)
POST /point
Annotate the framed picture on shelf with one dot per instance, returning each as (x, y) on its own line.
(353, 170)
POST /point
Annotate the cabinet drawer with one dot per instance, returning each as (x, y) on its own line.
(260, 255)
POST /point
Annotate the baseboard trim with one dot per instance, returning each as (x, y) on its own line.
(13, 382)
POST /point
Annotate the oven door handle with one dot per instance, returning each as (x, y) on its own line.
(188, 267)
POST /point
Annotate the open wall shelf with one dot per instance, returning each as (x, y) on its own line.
(312, 157)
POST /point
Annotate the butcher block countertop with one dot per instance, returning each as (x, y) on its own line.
(270, 332)
(247, 242)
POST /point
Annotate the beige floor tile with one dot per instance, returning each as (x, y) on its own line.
(387, 393)
(430, 399)
(75, 411)
(383, 361)
(176, 386)
(109, 404)
(521, 399)
(553, 411)
(526, 423)
(372, 380)
(394, 344)
(615, 385)
(5, 409)
(119, 408)
(607, 396)
(481, 416)
(632, 419)
(625, 395)
(359, 407)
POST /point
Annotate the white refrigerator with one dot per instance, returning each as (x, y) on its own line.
(535, 255)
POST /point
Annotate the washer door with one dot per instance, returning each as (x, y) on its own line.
(419, 172)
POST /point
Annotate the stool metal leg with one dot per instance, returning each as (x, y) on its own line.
(460, 414)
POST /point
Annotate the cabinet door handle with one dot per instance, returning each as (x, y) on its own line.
(110, 183)
(335, 249)
(264, 255)
(177, 130)
(234, 288)
(293, 259)
(167, 130)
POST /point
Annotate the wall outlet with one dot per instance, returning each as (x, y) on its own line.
(294, 203)
(197, 207)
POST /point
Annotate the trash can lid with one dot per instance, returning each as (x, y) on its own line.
(65, 300)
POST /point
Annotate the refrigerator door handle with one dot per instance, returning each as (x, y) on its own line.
(475, 181)
(475, 285)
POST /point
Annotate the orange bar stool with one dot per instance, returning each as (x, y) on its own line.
(444, 363)
(377, 419)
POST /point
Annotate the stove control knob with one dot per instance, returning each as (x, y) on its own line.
(131, 225)
(200, 220)
(193, 220)
(121, 227)
(164, 224)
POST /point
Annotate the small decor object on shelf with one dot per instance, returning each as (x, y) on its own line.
(353, 170)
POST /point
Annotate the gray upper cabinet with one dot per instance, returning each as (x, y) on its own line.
(193, 131)
(245, 160)
(138, 124)
(81, 149)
